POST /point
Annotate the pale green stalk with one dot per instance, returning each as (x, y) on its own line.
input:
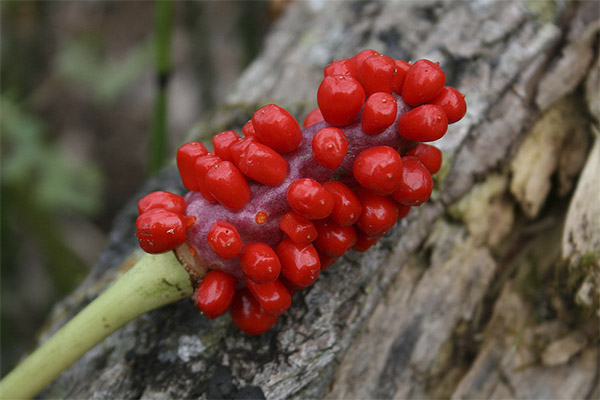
(153, 281)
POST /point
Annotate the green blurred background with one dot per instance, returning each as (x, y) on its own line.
(77, 92)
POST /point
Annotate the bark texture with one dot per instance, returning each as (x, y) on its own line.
(490, 290)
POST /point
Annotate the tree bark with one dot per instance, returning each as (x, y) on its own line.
(490, 290)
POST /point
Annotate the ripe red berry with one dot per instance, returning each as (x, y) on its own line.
(377, 74)
(308, 198)
(425, 123)
(248, 129)
(364, 242)
(345, 66)
(228, 186)
(378, 169)
(346, 206)
(186, 158)
(239, 147)
(379, 113)
(222, 143)
(400, 75)
(326, 261)
(340, 99)
(360, 57)
(273, 297)
(262, 164)
(248, 315)
(224, 240)
(312, 118)
(333, 239)
(329, 147)
(214, 294)
(416, 185)
(403, 210)
(260, 262)
(453, 103)
(379, 213)
(300, 264)
(424, 80)
(430, 156)
(160, 230)
(201, 167)
(163, 201)
(276, 128)
(300, 230)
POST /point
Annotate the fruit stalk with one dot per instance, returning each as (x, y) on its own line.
(155, 280)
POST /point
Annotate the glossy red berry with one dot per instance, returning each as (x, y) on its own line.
(224, 240)
(248, 315)
(333, 239)
(379, 113)
(360, 57)
(163, 201)
(453, 103)
(309, 198)
(326, 261)
(186, 158)
(239, 147)
(378, 169)
(312, 118)
(377, 74)
(416, 185)
(202, 166)
(228, 186)
(430, 156)
(364, 242)
(340, 99)
(344, 66)
(276, 128)
(300, 264)
(346, 206)
(260, 262)
(379, 213)
(248, 129)
(222, 143)
(329, 147)
(273, 297)
(400, 75)
(215, 293)
(424, 81)
(425, 123)
(403, 210)
(262, 164)
(160, 230)
(299, 229)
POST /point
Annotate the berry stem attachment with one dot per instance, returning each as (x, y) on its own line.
(155, 280)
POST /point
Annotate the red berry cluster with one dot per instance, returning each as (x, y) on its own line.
(268, 211)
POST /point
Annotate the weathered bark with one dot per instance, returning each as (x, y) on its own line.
(488, 290)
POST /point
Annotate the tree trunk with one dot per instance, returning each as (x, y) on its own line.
(489, 290)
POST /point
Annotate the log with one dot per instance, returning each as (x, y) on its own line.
(490, 290)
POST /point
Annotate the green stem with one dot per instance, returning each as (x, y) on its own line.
(154, 281)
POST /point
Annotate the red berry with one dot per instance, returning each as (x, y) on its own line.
(359, 58)
(276, 128)
(262, 164)
(248, 315)
(344, 66)
(333, 239)
(160, 230)
(163, 201)
(453, 103)
(260, 262)
(308, 198)
(248, 129)
(377, 74)
(378, 169)
(340, 99)
(300, 230)
(424, 80)
(326, 261)
(364, 242)
(379, 113)
(300, 264)
(186, 158)
(425, 123)
(329, 147)
(313, 118)
(430, 156)
(379, 213)
(239, 147)
(224, 239)
(227, 184)
(346, 206)
(222, 143)
(202, 166)
(403, 210)
(214, 294)
(274, 297)
(400, 75)
(416, 185)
